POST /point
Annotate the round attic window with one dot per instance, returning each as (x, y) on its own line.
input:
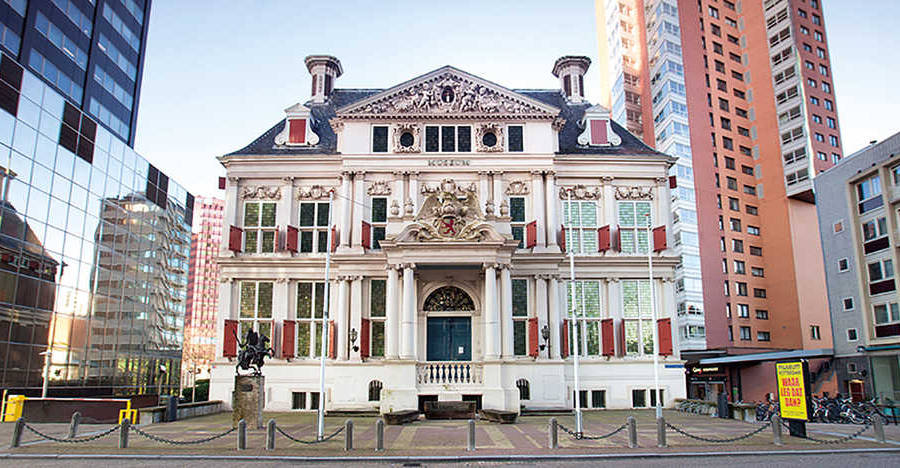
(489, 139)
(407, 139)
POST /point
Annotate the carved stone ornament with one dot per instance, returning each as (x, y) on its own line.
(407, 138)
(517, 187)
(450, 213)
(395, 208)
(558, 124)
(449, 186)
(489, 128)
(579, 192)
(634, 193)
(504, 208)
(261, 192)
(336, 124)
(379, 187)
(316, 192)
(449, 92)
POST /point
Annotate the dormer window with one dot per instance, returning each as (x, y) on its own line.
(297, 131)
(598, 132)
(597, 129)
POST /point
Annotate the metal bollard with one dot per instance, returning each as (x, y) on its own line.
(470, 439)
(632, 432)
(554, 433)
(878, 429)
(123, 433)
(73, 424)
(17, 433)
(348, 433)
(270, 435)
(379, 435)
(661, 432)
(242, 435)
(776, 430)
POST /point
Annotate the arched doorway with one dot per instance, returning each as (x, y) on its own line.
(449, 324)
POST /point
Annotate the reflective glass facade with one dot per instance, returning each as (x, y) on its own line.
(94, 249)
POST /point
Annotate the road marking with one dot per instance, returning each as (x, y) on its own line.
(527, 436)
(497, 437)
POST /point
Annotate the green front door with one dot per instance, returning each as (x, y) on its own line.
(449, 339)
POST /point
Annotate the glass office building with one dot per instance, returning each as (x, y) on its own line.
(90, 51)
(94, 249)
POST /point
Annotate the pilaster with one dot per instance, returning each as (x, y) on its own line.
(552, 200)
(506, 328)
(538, 209)
(408, 320)
(540, 304)
(346, 196)
(358, 206)
(343, 317)
(355, 323)
(392, 314)
(490, 314)
(554, 318)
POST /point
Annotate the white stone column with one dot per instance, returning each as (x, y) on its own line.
(356, 305)
(398, 195)
(506, 313)
(484, 193)
(660, 204)
(414, 192)
(498, 191)
(359, 203)
(285, 213)
(392, 315)
(541, 302)
(554, 318)
(607, 215)
(491, 316)
(537, 208)
(343, 317)
(408, 321)
(551, 201)
(346, 196)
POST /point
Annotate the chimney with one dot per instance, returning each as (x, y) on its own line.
(324, 70)
(570, 70)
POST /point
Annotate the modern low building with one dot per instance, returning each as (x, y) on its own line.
(94, 245)
(858, 219)
(455, 200)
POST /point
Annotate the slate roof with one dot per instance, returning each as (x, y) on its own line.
(321, 113)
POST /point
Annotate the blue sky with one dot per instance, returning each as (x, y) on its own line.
(219, 73)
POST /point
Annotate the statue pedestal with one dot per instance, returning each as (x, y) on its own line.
(248, 400)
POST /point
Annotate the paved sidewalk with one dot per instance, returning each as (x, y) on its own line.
(432, 438)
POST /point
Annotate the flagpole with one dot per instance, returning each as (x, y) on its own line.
(655, 323)
(320, 429)
(575, 339)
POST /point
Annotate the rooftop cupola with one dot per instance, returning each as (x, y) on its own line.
(570, 70)
(325, 69)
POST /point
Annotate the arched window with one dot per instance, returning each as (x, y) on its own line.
(375, 390)
(524, 390)
(448, 298)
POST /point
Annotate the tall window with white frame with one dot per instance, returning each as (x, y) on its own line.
(310, 304)
(379, 221)
(517, 219)
(377, 303)
(634, 217)
(260, 231)
(256, 307)
(580, 222)
(588, 313)
(313, 222)
(886, 314)
(638, 316)
(520, 316)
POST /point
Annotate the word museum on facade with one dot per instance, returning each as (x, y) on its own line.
(456, 201)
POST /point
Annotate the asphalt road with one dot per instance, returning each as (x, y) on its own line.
(867, 460)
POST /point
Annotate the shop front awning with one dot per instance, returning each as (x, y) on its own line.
(770, 356)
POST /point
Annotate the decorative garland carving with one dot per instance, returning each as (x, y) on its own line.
(449, 186)
(634, 192)
(379, 187)
(261, 192)
(415, 130)
(517, 187)
(579, 192)
(316, 192)
(481, 130)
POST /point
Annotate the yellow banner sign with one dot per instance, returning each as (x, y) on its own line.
(792, 396)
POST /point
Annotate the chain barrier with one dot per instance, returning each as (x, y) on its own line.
(310, 442)
(76, 440)
(839, 440)
(720, 441)
(581, 436)
(182, 442)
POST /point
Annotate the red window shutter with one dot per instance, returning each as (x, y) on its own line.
(659, 238)
(618, 243)
(235, 239)
(607, 334)
(673, 182)
(562, 238)
(291, 239)
(621, 338)
(366, 235)
(664, 329)
(564, 350)
(298, 130)
(598, 132)
(287, 339)
(530, 234)
(533, 337)
(332, 339)
(221, 183)
(334, 238)
(7, 257)
(364, 338)
(33, 265)
(229, 349)
(603, 238)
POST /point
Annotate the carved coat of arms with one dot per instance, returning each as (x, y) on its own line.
(450, 213)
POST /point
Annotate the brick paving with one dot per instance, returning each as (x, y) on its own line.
(528, 436)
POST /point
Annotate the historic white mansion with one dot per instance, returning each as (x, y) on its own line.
(449, 229)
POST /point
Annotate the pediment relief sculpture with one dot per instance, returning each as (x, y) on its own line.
(579, 192)
(634, 192)
(379, 187)
(316, 192)
(261, 192)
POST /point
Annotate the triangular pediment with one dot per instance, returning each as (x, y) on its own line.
(449, 93)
